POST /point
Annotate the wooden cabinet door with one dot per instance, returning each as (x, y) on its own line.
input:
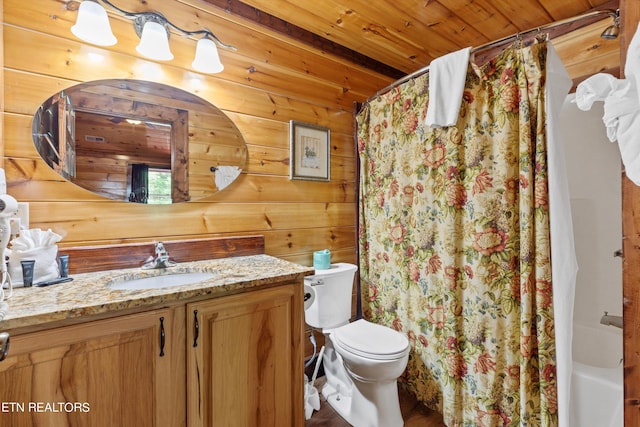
(111, 372)
(245, 364)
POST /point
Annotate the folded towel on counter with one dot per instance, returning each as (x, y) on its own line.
(621, 107)
(447, 76)
(37, 245)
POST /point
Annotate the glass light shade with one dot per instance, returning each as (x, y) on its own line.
(154, 42)
(207, 59)
(92, 25)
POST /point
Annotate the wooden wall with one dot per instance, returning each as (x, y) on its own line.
(265, 84)
(630, 15)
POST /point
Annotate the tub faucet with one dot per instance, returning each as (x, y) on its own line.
(609, 320)
(161, 260)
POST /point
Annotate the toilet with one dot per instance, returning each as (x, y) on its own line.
(362, 360)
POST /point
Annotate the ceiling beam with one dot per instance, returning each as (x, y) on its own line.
(250, 13)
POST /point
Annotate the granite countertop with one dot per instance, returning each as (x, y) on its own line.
(89, 293)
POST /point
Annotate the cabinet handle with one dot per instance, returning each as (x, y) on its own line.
(162, 337)
(196, 328)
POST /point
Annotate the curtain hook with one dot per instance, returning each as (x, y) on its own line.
(541, 37)
(518, 41)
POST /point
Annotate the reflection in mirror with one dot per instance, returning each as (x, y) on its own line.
(138, 141)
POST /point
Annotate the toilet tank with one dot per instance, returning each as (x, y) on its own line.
(333, 290)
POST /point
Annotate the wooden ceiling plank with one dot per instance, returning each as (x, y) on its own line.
(564, 9)
(276, 23)
(375, 38)
(560, 10)
(602, 3)
(408, 34)
(401, 32)
(483, 16)
(524, 14)
(435, 15)
(564, 31)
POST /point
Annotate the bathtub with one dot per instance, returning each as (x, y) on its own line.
(597, 378)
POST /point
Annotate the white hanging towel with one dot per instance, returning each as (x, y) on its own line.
(447, 76)
(621, 107)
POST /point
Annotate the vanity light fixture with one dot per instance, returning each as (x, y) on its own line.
(153, 28)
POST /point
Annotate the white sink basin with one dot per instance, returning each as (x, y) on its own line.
(162, 281)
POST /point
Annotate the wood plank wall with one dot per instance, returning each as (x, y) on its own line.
(630, 16)
(266, 83)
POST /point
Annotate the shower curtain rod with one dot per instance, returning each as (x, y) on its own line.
(610, 12)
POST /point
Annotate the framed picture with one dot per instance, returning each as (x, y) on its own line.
(310, 153)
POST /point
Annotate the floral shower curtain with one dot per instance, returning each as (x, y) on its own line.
(454, 242)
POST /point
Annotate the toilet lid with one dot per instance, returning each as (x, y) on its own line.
(371, 340)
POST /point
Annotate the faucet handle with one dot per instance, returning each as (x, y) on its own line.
(161, 251)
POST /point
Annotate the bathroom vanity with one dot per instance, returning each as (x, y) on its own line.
(226, 351)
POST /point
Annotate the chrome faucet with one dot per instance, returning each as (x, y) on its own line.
(609, 320)
(161, 260)
(4, 345)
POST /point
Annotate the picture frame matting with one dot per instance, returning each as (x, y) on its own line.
(310, 151)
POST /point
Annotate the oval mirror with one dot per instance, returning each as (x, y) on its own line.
(138, 141)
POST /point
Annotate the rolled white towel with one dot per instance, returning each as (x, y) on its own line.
(621, 115)
(37, 245)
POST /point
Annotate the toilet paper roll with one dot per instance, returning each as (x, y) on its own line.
(322, 259)
(309, 296)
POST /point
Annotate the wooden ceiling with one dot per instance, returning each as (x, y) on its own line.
(398, 37)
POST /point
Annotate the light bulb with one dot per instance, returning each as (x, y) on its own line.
(154, 42)
(207, 59)
(92, 25)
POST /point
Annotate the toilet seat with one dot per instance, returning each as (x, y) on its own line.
(370, 340)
